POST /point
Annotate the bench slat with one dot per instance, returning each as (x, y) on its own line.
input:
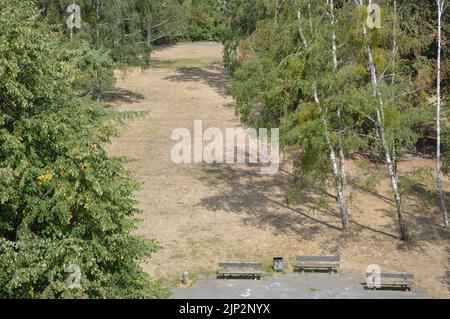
(382, 275)
(318, 258)
(316, 266)
(236, 272)
(240, 265)
(397, 283)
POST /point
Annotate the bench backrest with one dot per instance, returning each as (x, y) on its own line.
(393, 276)
(240, 265)
(303, 259)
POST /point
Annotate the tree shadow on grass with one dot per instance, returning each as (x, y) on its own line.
(358, 187)
(215, 76)
(122, 96)
(260, 199)
(421, 208)
(263, 202)
(424, 226)
(446, 278)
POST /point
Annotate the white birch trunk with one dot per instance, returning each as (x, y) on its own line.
(97, 29)
(71, 29)
(394, 47)
(333, 160)
(393, 76)
(440, 4)
(300, 29)
(382, 133)
(310, 17)
(149, 33)
(334, 166)
(339, 111)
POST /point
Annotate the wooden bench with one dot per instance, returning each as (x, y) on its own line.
(330, 263)
(403, 281)
(240, 270)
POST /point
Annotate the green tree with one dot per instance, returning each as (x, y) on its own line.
(296, 97)
(114, 33)
(207, 20)
(318, 79)
(64, 205)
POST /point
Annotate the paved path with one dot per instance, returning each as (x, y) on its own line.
(292, 286)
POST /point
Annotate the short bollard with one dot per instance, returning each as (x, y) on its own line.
(186, 281)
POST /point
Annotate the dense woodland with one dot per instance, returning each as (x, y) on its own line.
(334, 86)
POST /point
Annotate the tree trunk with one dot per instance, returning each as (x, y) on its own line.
(97, 34)
(404, 232)
(98, 88)
(393, 77)
(97, 29)
(71, 29)
(394, 46)
(440, 4)
(333, 161)
(310, 17)
(334, 166)
(149, 33)
(339, 111)
(300, 29)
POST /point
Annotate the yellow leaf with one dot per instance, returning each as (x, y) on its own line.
(43, 179)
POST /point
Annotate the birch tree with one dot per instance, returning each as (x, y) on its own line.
(332, 85)
(338, 174)
(339, 110)
(404, 232)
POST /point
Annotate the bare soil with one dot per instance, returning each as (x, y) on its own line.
(203, 214)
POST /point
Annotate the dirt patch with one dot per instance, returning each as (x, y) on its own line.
(203, 214)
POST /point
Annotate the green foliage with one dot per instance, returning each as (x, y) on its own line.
(274, 76)
(63, 201)
(422, 184)
(115, 33)
(207, 20)
(96, 70)
(243, 16)
(370, 183)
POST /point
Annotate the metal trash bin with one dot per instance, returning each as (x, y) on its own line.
(278, 264)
